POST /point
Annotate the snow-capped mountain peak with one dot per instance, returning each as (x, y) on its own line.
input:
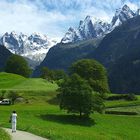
(122, 15)
(70, 36)
(34, 46)
(93, 27)
(85, 23)
(87, 29)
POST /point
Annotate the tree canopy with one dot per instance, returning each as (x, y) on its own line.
(17, 65)
(76, 95)
(93, 72)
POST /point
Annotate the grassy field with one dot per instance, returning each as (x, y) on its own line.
(4, 135)
(48, 121)
(41, 117)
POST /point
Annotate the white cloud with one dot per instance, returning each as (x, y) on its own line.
(27, 18)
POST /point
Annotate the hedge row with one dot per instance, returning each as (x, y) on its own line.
(121, 113)
(128, 97)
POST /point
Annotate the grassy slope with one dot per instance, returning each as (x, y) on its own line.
(16, 82)
(4, 135)
(9, 80)
(41, 118)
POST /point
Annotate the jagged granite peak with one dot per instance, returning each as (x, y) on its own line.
(100, 27)
(121, 15)
(70, 36)
(87, 29)
(94, 28)
(34, 46)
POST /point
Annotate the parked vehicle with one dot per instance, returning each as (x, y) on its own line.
(5, 102)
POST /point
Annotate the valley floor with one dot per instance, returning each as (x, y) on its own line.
(39, 114)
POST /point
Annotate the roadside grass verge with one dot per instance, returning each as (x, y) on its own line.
(4, 135)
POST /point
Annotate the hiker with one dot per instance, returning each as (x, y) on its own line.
(13, 120)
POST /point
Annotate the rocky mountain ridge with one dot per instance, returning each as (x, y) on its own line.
(94, 28)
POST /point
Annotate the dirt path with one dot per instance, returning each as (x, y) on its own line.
(21, 135)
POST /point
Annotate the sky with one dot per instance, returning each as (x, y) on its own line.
(54, 17)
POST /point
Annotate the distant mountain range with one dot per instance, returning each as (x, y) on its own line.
(95, 28)
(33, 47)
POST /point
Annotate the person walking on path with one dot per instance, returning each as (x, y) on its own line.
(13, 120)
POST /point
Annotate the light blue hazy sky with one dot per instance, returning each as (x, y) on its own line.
(54, 17)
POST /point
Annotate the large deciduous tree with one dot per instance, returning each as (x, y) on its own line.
(93, 72)
(76, 96)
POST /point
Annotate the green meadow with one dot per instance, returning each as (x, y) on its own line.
(41, 114)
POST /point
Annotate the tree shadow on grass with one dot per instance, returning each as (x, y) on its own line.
(69, 119)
